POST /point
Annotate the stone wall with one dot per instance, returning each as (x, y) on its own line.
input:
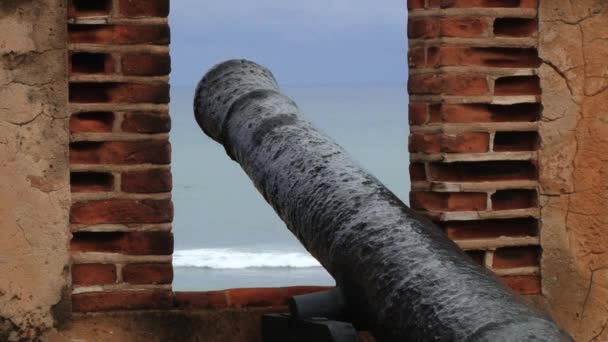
(34, 169)
(573, 163)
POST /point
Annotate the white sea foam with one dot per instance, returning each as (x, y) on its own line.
(225, 258)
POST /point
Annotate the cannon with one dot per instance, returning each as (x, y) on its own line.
(398, 272)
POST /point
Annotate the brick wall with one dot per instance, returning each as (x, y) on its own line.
(120, 154)
(474, 109)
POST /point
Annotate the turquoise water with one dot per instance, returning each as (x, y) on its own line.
(225, 234)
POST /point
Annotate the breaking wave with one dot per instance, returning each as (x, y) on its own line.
(225, 258)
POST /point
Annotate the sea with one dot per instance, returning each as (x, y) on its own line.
(226, 235)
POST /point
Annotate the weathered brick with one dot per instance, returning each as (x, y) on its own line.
(477, 256)
(122, 211)
(514, 199)
(489, 3)
(417, 172)
(149, 273)
(128, 243)
(93, 274)
(427, 143)
(517, 85)
(415, 4)
(478, 112)
(450, 84)
(426, 28)
(201, 300)
(418, 113)
(148, 181)
(92, 122)
(121, 152)
(515, 27)
(122, 300)
(258, 297)
(92, 63)
(143, 8)
(514, 257)
(524, 285)
(448, 201)
(91, 181)
(417, 58)
(113, 92)
(146, 64)
(483, 171)
(118, 34)
(468, 142)
(490, 229)
(483, 56)
(146, 123)
(463, 27)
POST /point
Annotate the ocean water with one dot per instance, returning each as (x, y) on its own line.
(226, 236)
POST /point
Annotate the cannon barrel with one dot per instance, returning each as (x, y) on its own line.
(397, 270)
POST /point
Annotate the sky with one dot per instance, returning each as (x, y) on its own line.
(304, 43)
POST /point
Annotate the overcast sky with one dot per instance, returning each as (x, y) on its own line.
(304, 42)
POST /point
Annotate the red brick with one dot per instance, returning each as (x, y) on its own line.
(302, 290)
(415, 4)
(148, 181)
(122, 211)
(446, 201)
(489, 3)
(483, 56)
(478, 112)
(427, 143)
(517, 85)
(463, 27)
(146, 123)
(418, 113)
(122, 300)
(483, 171)
(417, 58)
(128, 243)
(515, 27)
(91, 182)
(490, 229)
(121, 152)
(524, 285)
(118, 34)
(92, 122)
(92, 63)
(425, 28)
(112, 92)
(451, 84)
(146, 64)
(468, 142)
(417, 172)
(514, 199)
(143, 8)
(514, 257)
(201, 300)
(259, 297)
(93, 274)
(151, 273)
(87, 8)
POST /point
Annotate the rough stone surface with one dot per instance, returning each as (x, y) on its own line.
(34, 186)
(399, 272)
(573, 164)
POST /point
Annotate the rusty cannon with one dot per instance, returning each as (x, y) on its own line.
(398, 273)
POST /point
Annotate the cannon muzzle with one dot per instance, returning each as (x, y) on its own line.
(398, 271)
